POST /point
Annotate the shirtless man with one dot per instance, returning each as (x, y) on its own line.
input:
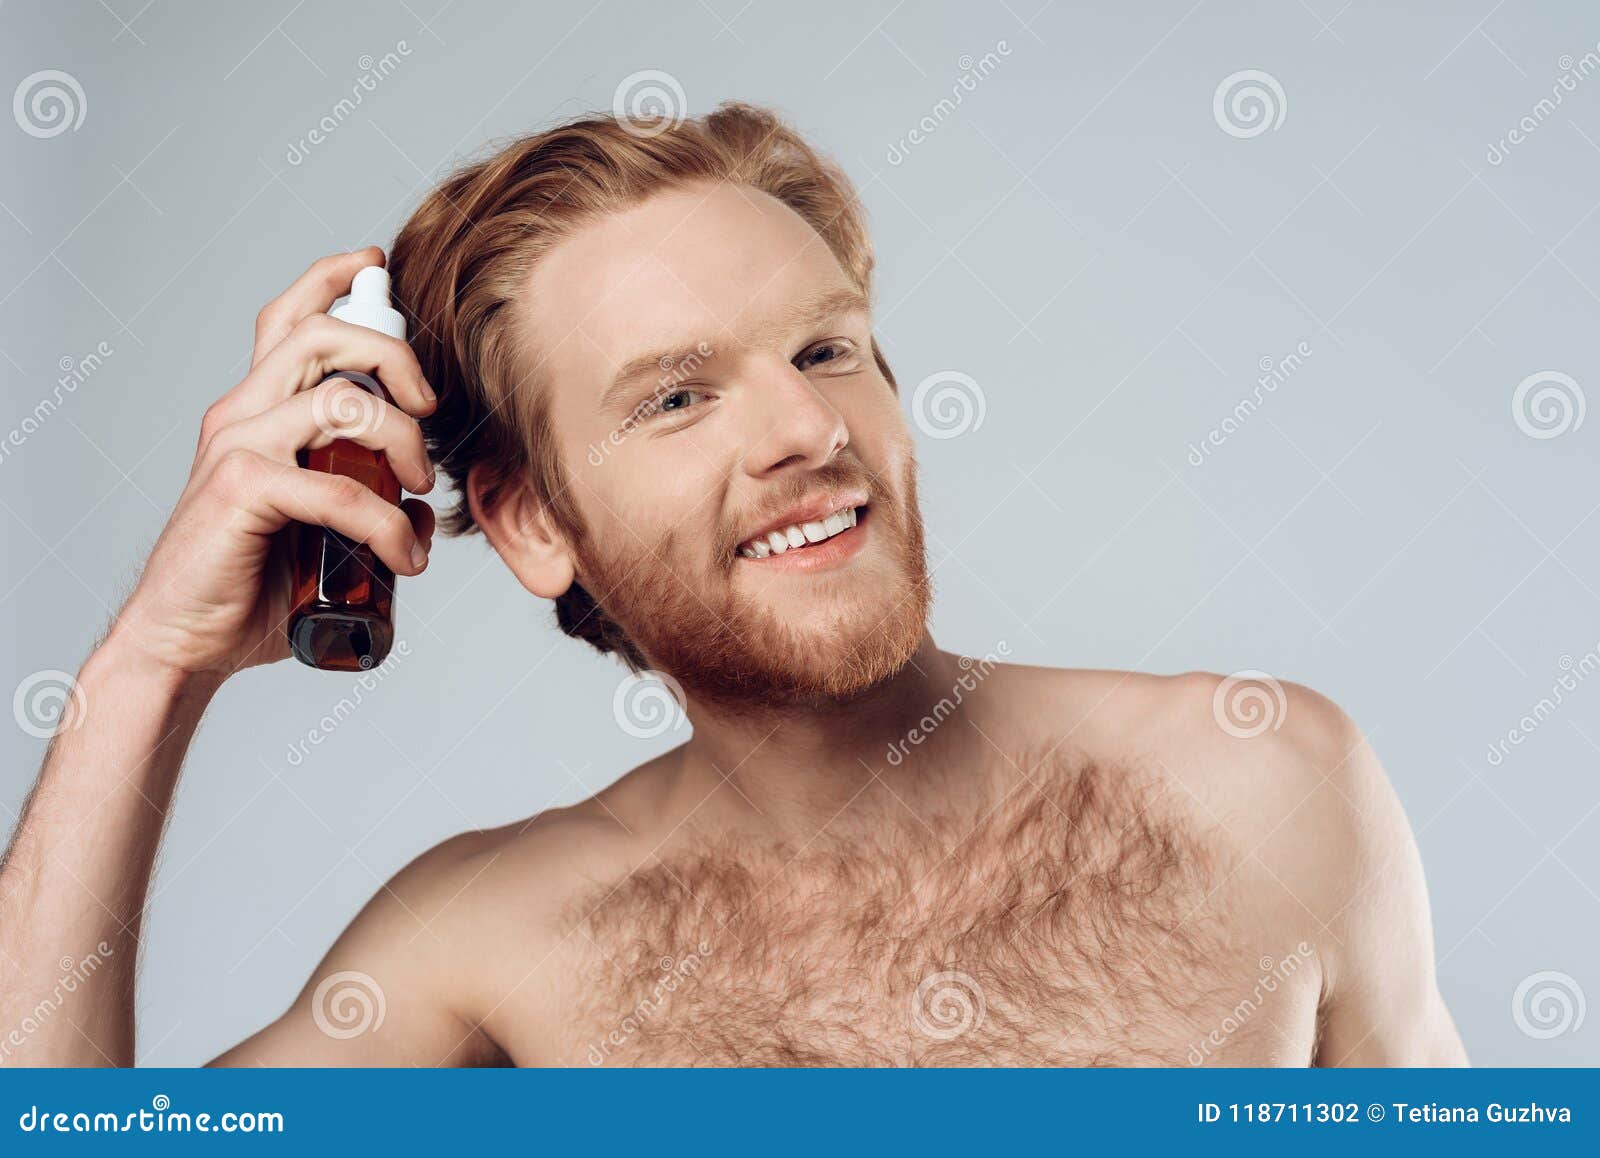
(655, 379)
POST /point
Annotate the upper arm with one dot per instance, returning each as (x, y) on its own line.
(386, 993)
(1382, 1000)
(1364, 885)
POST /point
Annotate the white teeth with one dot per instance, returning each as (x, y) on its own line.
(799, 535)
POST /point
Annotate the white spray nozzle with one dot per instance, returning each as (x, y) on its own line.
(368, 304)
(371, 285)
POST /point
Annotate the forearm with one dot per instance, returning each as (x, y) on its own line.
(74, 881)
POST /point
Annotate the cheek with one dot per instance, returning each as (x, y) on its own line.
(877, 425)
(633, 501)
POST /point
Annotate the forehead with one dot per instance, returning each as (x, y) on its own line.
(703, 262)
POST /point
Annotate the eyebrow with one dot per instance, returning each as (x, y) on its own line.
(663, 363)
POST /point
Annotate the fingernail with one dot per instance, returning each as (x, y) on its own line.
(427, 392)
(419, 555)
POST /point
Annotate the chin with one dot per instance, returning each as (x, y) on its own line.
(862, 637)
(774, 656)
(810, 659)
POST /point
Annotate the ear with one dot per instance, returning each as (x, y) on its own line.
(520, 529)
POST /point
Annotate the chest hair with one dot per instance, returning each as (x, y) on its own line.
(1070, 918)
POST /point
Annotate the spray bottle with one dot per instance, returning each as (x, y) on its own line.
(342, 616)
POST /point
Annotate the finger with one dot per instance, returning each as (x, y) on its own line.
(313, 292)
(334, 409)
(422, 519)
(319, 346)
(244, 479)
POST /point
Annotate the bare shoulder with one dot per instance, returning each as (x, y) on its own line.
(1329, 855)
(439, 950)
(515, 880)
(1282, 786)
(1293, 780)
(531, 866)
(1274, 770)
(484, 917)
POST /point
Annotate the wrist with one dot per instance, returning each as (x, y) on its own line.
(121, 659)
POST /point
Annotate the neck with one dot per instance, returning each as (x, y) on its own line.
(796, 769)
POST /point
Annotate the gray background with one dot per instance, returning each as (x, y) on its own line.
(1080, 237)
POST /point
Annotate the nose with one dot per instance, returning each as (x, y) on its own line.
(795, 426)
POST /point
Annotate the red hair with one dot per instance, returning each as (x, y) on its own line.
(462, 265)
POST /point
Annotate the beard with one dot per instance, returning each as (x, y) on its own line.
(726, 648)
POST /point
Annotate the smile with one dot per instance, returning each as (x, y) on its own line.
(799, 536)
(822, 544)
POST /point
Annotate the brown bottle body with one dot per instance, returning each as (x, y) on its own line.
(342, 601)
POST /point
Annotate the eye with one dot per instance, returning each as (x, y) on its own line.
(677, 399)
(836, 354)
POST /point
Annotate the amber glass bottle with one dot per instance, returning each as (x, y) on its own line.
(343, 594)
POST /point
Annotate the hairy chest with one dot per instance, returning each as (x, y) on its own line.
(1068, 923)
